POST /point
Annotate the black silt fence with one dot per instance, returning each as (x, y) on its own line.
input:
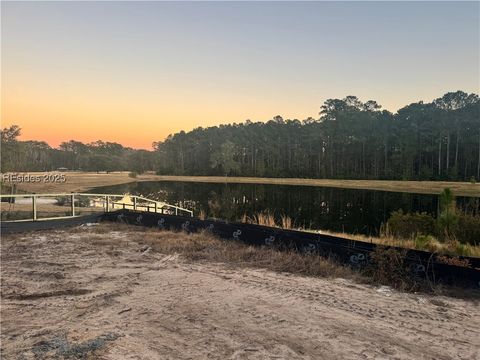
(422, 264)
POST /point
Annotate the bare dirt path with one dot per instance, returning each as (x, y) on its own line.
(106, 296)
(83, 181)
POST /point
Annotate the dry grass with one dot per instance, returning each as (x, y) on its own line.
(202, 215)
(390, 267)
(264, 219)
(205, 247)
(287, 222)
(387, 268)
(109, 227)
(76, 182)
(82, 181)
(268, 219)
(427, 243)
(419, 187)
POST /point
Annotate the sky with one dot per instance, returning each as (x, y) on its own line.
(135, 72)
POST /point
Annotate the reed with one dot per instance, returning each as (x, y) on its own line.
(287, 222)
(265, 219)
(268, 219)
(202, 215)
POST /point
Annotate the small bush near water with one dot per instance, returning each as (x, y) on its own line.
(465, 230)
(388, 266)
(81, 201)
(451, 226)
(468, 230)
(423, 242)
(408, 225)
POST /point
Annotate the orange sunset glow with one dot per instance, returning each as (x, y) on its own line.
(136, 76)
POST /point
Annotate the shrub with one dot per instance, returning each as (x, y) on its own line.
(80, 201)
(409, 225)
(424, 242)
(468, 229)
(447, 225)
(133, 174)
(388, 266)
(447, 221)
(463, 249)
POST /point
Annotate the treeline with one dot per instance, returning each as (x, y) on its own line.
(73, 155)
(350, 140)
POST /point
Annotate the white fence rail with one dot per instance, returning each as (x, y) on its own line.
(102, 202)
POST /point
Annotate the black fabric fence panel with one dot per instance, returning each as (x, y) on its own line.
(422, 264)
(8, 227)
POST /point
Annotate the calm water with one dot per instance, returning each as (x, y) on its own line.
(354, 211)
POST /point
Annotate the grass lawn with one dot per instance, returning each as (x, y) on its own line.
(83, 181)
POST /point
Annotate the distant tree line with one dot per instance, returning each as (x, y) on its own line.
(96, 156)
(350, 139)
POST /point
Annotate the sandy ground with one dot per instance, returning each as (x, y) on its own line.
(83, 181)
(105, 296)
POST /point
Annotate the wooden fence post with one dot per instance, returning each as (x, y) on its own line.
(34, 204)
(73, 205)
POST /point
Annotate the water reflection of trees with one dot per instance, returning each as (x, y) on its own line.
(361, 211)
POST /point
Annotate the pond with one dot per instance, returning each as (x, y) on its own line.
(334, 209)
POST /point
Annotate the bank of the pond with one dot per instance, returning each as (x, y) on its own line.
(418, 187)
(83, 181)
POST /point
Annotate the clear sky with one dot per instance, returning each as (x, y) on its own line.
(135, 72)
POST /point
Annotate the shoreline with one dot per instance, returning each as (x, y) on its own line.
(419, 187)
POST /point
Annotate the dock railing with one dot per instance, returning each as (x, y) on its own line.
(72, 204)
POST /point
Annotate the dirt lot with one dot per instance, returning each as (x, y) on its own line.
(93, 292)
(83, 181)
